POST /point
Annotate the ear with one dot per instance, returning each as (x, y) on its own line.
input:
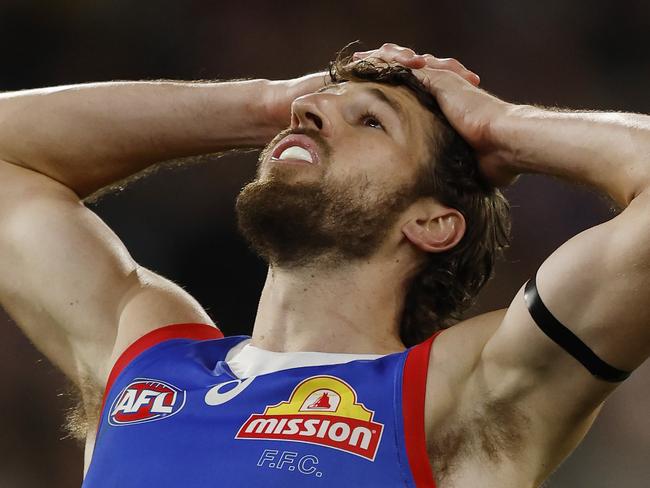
(436, 232)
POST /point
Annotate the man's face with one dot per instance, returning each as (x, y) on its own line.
(336, 183)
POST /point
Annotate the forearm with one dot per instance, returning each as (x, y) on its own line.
(610, 151)
(88, 136)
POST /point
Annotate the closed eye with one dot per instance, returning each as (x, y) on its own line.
(370, 119)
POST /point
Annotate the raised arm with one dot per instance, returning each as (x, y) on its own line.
(66, 279)
(88, 136)
(597, 285)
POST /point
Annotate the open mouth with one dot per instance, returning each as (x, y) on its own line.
(296, 148)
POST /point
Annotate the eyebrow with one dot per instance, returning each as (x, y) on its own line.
(391, 102)
(375, 93)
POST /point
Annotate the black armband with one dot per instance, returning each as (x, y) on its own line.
(566, 339)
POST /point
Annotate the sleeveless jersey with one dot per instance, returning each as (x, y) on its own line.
(176, 415)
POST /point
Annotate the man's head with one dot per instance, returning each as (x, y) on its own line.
(386, 169)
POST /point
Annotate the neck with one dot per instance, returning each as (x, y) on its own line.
(354, 308)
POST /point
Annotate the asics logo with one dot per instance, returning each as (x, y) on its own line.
(224, 392)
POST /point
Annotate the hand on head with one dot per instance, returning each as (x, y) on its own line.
(473, 112)
(392, 53)
(279, 96)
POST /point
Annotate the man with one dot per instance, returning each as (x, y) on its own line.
(352, 211)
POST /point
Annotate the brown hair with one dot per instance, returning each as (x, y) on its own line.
(449, 281)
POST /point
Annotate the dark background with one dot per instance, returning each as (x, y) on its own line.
(580, 54)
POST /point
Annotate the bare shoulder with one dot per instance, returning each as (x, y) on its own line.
(473, 422)
(456, 351)
(155, 302)
(454, 356)
(70, 283)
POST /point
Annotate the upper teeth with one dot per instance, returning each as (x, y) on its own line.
(296, 152)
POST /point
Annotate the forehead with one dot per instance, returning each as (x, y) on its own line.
(393, 94)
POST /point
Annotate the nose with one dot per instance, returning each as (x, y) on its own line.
(313, 112)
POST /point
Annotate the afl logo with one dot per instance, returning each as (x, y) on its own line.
(146, 400)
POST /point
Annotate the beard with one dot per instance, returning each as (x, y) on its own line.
(323, 223)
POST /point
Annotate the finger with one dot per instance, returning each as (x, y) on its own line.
(435, 80)
(460, 69)
(405, 58)
(470, 76)
(391, 46)
(387, 51)
(405, 51)
(393, 52)
(454, 65)
(387, 47)
(362, 54)
(414, 62)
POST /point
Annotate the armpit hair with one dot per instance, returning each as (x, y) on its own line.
(83, 411)
(495, 432)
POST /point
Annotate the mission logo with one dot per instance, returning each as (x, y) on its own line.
(321, 410)
(146, 400)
